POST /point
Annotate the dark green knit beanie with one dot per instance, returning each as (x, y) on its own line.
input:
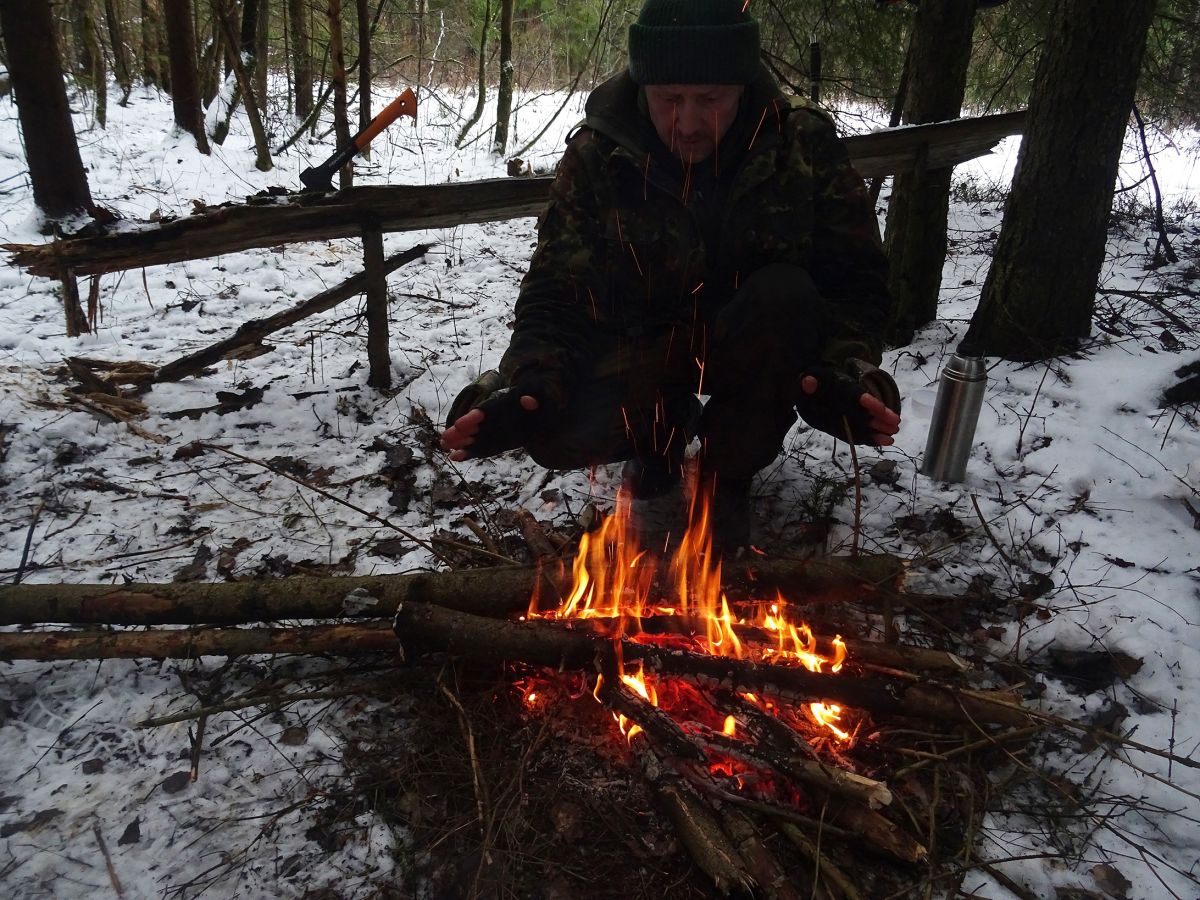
(693, 42)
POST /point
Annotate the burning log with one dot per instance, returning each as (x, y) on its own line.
(496, 591)
(422, 627)
(901, 657)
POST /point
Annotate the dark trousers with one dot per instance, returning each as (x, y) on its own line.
(639, 398)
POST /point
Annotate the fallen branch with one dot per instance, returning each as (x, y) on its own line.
(189, 643)
(251, 334)
(497, 591)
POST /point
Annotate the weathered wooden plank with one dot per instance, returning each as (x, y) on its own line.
(269, 222)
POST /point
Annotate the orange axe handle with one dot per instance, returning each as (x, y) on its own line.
(404, 105)
(320, 178)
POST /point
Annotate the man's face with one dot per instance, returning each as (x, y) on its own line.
(691, 119)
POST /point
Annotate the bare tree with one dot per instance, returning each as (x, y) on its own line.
(481, 80)
(915, 237)
(151, 52)
(60, 186)
(302, 70)
(236, 65)
(337, 56)
(504, 93)
(1040, 293)
(116, 36)
(364, 69)
(185, 86)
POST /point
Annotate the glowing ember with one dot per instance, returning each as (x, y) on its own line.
(614, 584)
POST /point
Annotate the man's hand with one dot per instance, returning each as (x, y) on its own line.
(862, 406)
(871, 423)
(498, 424)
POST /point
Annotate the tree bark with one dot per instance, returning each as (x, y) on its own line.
(364, 70)
(481, 78)
(301, 58)
(116, 35)
(915, 236)
(185, 85)
(1040, 292)
(262, 152)
(151, 58)
(379, 356)
(262, 55)
(60, 186)
(504, 93)
(495, 591)
(337, 58)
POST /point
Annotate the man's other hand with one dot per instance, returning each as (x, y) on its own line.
(476, 433)
(873, 422)
(881, 421)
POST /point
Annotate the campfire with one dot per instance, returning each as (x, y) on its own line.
(618, 592)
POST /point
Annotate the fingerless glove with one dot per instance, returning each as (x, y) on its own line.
(835, 407)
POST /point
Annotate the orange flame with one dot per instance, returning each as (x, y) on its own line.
(613, 579)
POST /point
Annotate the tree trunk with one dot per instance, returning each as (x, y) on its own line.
(84, 64)
(1039, 295)
(210, 55)
(481, 79)
(301, 58)
(93, 52)
(364, 70)
(116, 35)
(185, 86)
(262, 152)
(341, 122)
(232, 89)
(60, 186)
(191, 643)
(150, 49)
(504, 93)
(261, 55)
(915, 237)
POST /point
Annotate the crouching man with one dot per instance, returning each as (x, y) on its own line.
(704, 236)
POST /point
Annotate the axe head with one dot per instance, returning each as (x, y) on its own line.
(320, 178)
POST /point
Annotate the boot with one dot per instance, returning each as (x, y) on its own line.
(730, 515)
(647, 477)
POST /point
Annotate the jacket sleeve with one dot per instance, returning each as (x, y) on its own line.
(848, 263)
(553, 337)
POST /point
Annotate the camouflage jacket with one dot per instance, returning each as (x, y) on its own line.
(630, 241)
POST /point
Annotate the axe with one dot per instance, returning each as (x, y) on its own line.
(320, 178)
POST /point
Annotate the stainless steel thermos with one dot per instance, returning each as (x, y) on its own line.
(955, 414)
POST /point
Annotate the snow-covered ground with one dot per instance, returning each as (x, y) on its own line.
(1079, 474)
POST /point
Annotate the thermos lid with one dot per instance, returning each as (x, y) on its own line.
(966, 368)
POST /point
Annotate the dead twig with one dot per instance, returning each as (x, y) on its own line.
(108, 863)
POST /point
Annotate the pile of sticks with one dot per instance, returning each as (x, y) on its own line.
(724, 793)
(812, 800)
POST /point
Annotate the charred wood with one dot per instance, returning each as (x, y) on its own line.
(423, 628)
